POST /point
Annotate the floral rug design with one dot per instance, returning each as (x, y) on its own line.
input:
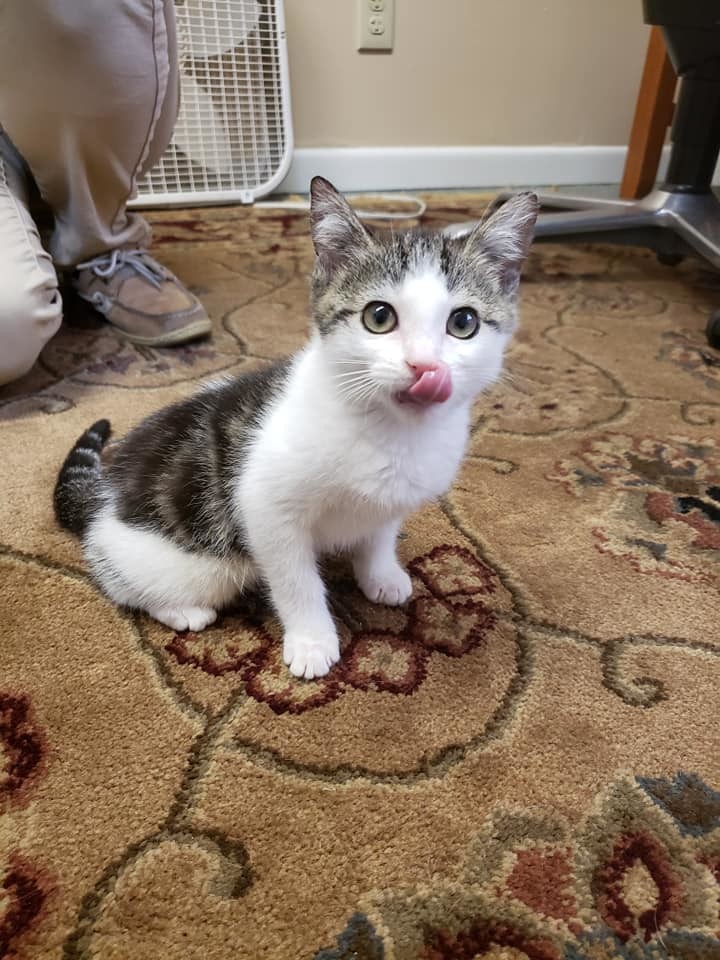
(638, 878)
(667, 518)
(522, 763)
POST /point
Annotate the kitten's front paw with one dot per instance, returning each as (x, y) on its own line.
(392, 587)
(309, 655)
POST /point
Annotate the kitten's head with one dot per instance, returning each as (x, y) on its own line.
(415, 319)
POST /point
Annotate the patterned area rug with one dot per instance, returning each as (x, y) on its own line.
(523, 763)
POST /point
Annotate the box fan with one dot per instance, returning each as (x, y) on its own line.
(233, 140)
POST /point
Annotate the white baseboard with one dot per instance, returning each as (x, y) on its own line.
(416, 168)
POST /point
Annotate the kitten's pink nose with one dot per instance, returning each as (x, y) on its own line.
(420, 368)
(433, 382)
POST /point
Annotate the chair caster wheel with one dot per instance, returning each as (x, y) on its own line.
(670, 259)
(713, 329)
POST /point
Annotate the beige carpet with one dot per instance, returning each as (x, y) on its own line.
(524, 763)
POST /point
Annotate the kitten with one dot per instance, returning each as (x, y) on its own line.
(258, 476)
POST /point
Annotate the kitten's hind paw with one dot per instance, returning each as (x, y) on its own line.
(392, 587)
(184, 618)
(310, 656)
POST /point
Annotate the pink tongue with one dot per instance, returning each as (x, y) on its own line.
(433, 386)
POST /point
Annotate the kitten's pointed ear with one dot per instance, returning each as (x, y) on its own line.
(337, 232)
(505, 237)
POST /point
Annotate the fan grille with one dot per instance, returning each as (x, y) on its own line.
(233, 136)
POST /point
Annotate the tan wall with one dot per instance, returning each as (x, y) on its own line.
(502, 72)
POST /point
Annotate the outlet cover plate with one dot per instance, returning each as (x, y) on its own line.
(376, 24)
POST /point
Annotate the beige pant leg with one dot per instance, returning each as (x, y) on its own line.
(30, 304)
(89, 95)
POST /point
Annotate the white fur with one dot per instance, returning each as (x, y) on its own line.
(336, 469)
(141, 569)
(337, 464)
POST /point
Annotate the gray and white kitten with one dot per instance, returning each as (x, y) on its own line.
(258, 476)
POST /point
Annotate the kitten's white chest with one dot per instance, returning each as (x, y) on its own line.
(342, 474)
(406, 470)
(360, 482)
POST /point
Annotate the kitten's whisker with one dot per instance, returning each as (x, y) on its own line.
(359, 392)
(349, 374)
(507, 378)
(364, 394)
(355, 392)
(351, 382)
(352, 375)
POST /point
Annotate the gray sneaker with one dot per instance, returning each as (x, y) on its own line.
(142, 300)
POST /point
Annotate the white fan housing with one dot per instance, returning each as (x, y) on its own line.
(233, 137)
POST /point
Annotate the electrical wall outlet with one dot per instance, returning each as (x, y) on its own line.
(376, 21)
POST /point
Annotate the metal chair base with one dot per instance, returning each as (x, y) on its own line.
(670, 223)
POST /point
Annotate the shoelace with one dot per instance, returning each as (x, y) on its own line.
(106, 265)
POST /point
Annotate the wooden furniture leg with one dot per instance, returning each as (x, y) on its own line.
(653, 115)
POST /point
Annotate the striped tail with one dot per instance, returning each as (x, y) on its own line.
(75, 488)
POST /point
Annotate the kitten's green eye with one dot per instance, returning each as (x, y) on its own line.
(463, 323)
(379, 317)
